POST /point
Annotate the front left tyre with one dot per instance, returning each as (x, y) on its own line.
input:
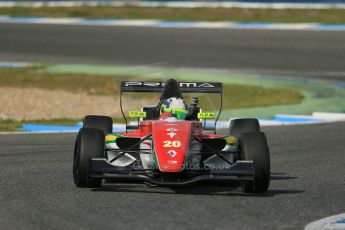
(89, 144)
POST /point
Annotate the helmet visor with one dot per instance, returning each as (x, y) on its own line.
(180, 114)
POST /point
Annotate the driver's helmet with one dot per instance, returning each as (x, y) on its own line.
(174, 107)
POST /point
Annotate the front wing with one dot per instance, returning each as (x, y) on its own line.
(239, 171)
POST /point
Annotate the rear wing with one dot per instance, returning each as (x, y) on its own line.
(172, 88)
(185, 87)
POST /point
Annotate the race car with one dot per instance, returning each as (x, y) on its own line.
(171, 143)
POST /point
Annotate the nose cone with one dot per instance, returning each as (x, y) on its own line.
(171, 141)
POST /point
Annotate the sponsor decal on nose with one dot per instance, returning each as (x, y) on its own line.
(171, 153)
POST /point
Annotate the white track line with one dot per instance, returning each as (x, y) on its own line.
(173, 24)
(175, 4)
(336, 222)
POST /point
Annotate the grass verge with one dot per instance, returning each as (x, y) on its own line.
(75, 83)
(235, 95)
(183, 14)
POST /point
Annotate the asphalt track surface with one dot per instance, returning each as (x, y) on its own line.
(307, 183)
(313, 54)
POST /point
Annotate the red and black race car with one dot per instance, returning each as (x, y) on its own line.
(171, 143)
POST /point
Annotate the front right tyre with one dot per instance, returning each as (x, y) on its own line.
(243, 125)
(254, 147)
(103, 123)
(89, 144)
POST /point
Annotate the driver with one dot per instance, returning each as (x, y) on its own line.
(174, 107)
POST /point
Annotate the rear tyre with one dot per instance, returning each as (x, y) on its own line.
(103, 123)
(239, 126)
(254, 147)
(89, 144)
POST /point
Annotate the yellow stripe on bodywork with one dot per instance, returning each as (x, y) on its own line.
(110, 138)
(230, 140)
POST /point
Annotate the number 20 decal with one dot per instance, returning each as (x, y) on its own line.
(169, 144)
